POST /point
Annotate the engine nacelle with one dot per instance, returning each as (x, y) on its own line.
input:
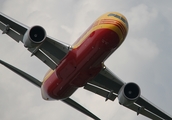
(128, 94)
(34, 36)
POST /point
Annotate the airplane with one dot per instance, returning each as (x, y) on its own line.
(81, 64)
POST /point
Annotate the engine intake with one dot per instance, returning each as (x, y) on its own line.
(128, 94)
(34, 36)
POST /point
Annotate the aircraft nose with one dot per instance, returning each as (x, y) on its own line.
(123, 30)
(44, 94)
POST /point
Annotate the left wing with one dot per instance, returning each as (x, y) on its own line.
(107, 85)
(37, 83)
(50, 51)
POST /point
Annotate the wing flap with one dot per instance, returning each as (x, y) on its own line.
(149, 106)
(144, 112)
(43, 57)
(106, 94)
(107, 80)
(51, 51)
(15, 25)
(55, 50)
(10, 32)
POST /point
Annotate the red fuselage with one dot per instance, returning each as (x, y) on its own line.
(86, 57)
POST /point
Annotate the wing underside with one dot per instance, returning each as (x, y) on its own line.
(37, 83)
(51, 51)
(107, 85)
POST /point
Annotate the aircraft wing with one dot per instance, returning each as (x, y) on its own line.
(37, 83)
(51, 51)
(107, 85)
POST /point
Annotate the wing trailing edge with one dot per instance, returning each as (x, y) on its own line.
(37, 83)
(106, 83)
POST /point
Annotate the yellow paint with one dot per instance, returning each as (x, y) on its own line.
(98, 24)
(48, 74)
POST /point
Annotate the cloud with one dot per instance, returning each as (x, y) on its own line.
(141, 15)
(144, 49)
(144, 57)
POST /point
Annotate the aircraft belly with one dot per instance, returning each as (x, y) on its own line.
(92, 52)
(81, 64)
(48, 85)
(56, 88)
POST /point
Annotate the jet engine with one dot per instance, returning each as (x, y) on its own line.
(128, 94)
(34, 36)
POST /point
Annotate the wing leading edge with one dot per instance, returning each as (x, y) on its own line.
(107, 85)
(37, 83)
(51, 51)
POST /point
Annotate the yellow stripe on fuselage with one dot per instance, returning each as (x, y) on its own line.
(105, 22)
(47, 75)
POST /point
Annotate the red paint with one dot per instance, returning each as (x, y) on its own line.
(85, 60)
(81, 64)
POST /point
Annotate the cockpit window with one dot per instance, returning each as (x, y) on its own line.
(119, 17)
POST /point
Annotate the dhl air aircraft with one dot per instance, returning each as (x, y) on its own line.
(81, 64)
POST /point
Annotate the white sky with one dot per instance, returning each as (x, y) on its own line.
(143, 58)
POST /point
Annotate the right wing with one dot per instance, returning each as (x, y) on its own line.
(108, 85)
(51, 51)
